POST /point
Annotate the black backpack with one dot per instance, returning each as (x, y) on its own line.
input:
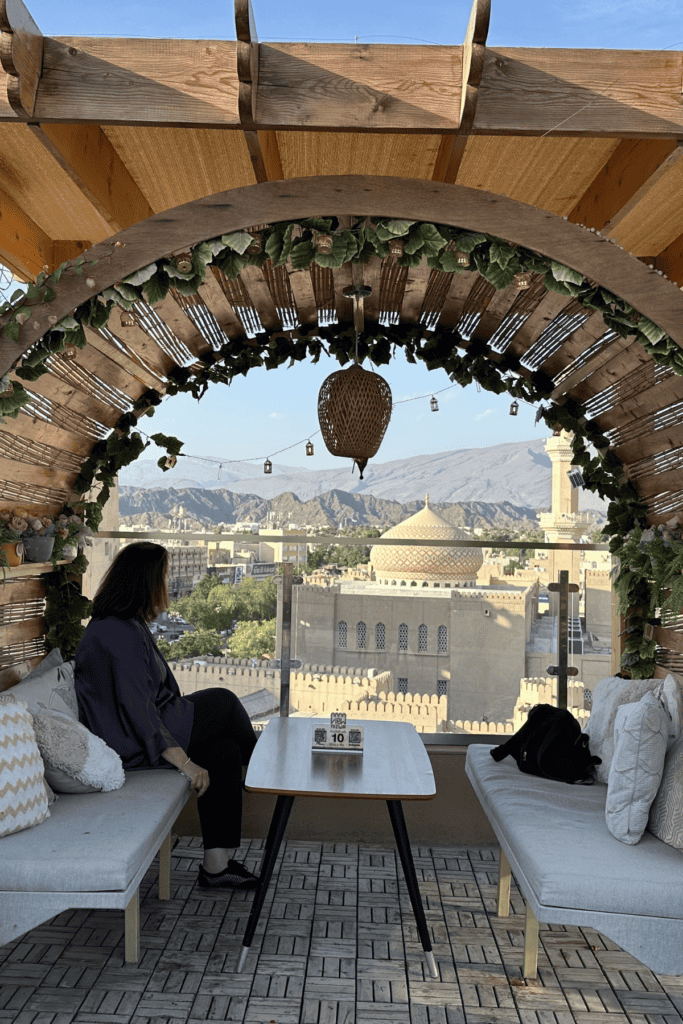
(550, 744)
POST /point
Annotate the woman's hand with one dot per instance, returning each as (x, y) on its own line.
(199, 777)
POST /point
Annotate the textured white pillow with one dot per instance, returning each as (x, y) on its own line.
(23, 797)
(666, 813)
(609, 695)
(52, 689)
(76, 761)
(640, 735)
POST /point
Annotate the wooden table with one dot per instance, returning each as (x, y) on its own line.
(393, 766)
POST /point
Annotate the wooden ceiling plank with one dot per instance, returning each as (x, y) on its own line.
(21, 56)
(550, 307)
(16, 632)
(42, 476)
(611, 372)
(579, 375)
(659, 483)
(35, 429)
(22, 243)
(140, 374)
(216, 300)
(649, 444)
(651, 399)
(180, 324)
(670, 261)
(90, 160)
(617, 93)
(664, 168)
(259, 293)
(139, 341)
(304, 296)
(413, 296)
(461, 285)
(630, 166)
(452, 147)
(110, 371)
(575, 344)
(73, 399)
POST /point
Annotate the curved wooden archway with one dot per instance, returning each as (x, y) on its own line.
(456, 205)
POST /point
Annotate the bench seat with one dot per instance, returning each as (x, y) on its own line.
(92, 851)
(571, 870)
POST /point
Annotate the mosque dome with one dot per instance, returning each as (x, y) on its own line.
(432, 565)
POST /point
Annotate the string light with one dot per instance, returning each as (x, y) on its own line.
(267, 466)
(433, 404)
(514, 408)
(309, 448)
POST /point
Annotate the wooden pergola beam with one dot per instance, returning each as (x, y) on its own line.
(90, 160)
(21, 56)
(339, 87)
(670, 261)
(263, 148)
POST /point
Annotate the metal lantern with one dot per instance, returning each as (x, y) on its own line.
(396, 247)
(128, 319)
(462, 258)
(183, 261)
(70, 352)
(255, 246)
(171, 461)
(514, 408)
(267, 466)
(323, 244)
(523, 280)
(557, 430)
(354, 409)
(433, 404)
(7, 390)
(309, 448)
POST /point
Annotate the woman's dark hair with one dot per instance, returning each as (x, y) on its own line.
(134, 583)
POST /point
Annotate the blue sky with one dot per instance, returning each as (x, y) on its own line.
(259, 415)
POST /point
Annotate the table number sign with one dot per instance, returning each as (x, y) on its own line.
(337, 736)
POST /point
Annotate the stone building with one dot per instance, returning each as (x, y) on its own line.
(425, 619)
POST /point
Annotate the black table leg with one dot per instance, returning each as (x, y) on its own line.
(402, 842)
(275, 835)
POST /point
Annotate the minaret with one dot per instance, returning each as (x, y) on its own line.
(564, 524)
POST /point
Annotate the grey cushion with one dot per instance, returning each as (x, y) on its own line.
(96, 842)
(50, 687)
(640, 738)
(559, 836)
(666, 813)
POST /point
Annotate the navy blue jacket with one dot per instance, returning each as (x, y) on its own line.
(125, 697)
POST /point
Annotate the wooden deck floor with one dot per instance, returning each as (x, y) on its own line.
(336, 945)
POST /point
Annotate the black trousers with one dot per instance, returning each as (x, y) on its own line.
(221, 742)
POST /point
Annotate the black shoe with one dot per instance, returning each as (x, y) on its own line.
(235, 876)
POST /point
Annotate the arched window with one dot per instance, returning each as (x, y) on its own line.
(380, 636)
(403, 637)
(442, 640)
(342, 633)
(422, 638)
(361, 636)
(442, 687)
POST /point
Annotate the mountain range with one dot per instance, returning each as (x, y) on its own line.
(518, 473)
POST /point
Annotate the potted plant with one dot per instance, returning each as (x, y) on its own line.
(71, 533)
(39, 537)
(12, 527)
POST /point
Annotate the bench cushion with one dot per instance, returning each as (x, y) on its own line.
(557, 834)
(94, 842)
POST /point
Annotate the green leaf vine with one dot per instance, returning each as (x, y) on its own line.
(640, 581)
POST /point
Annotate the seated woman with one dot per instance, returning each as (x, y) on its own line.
(128, 695)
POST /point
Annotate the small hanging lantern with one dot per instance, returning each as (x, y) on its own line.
(183, 261)
(433, 404)
(557, 430)
(462, 258)
(171, 461)
(514, 408)
(323, 244)
(354, 409)
(309, 448)
(396, 247)
(523, 280)
(255, 246)
(8, 389)
(128, 318)
(70, 352)
(267, 466)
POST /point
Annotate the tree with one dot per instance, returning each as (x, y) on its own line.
(216, 607)
(253, 639)
(202, 641)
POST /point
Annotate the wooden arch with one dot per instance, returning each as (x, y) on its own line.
(212, 216)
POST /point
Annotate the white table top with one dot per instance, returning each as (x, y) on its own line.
(394, 764)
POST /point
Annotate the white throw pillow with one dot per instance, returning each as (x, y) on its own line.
(640, 734)
(76, 761)
(609, 695)
(50, 688)
(23, 797)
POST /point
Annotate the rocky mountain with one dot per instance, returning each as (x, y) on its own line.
(204, 507)
(518, 473)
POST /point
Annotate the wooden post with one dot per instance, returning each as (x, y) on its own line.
(165, 869)
(504, 878)
(132, 929)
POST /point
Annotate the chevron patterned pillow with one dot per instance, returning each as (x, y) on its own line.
(666, 813)
(23, 799)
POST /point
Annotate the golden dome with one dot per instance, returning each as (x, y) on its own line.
(426, 564)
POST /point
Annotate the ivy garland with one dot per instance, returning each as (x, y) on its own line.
(495, 259)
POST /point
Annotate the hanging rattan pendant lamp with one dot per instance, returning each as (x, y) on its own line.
(354, 409)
